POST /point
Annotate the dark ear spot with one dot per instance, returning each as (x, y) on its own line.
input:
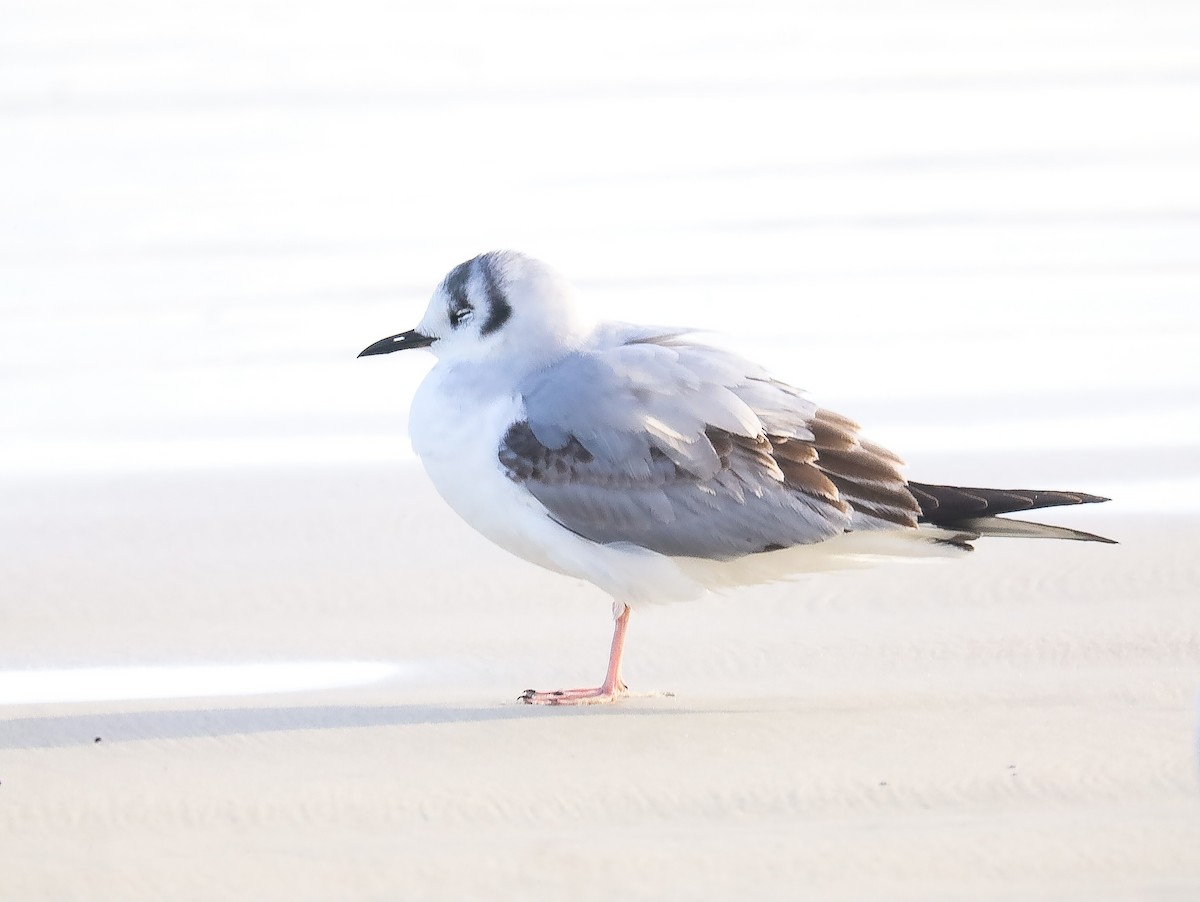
(499, 310)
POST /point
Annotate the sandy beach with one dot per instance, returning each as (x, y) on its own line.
(247, 654)
(1020, 724)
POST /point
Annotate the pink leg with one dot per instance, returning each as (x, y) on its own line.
(612, 688)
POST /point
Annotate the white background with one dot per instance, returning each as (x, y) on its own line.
(974, 227)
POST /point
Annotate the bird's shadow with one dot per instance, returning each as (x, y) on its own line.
(64, 731)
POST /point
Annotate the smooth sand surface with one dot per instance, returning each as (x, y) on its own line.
(1019, 724)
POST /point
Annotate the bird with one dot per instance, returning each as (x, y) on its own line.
(654, 465)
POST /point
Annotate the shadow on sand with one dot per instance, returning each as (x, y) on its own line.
(70, 730)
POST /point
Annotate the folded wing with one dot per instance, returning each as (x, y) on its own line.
(692, 451)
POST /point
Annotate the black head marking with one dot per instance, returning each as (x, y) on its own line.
(499, 310)
(456, 287)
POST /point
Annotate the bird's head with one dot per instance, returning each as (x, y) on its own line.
(497, 306)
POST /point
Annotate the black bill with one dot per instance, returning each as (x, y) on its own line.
(402, 342)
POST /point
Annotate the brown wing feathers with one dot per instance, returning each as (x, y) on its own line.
(797, 462)
(866, 476)
(834, 466)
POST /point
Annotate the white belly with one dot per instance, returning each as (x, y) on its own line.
(456, 430)
(458, 444)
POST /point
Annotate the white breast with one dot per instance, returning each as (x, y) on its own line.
(457, 422)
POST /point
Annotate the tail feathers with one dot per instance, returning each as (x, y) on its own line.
(976, 510)
(1025, 529)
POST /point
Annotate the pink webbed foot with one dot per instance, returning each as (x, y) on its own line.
(609, 691)
(601, 695)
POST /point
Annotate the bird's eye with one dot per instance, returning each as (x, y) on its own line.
(460, 315)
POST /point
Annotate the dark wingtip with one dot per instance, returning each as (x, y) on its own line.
(1088, 499)
(947, 504)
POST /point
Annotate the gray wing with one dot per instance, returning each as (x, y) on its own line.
(692, 451)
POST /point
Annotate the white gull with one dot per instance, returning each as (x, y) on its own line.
(655, 466)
